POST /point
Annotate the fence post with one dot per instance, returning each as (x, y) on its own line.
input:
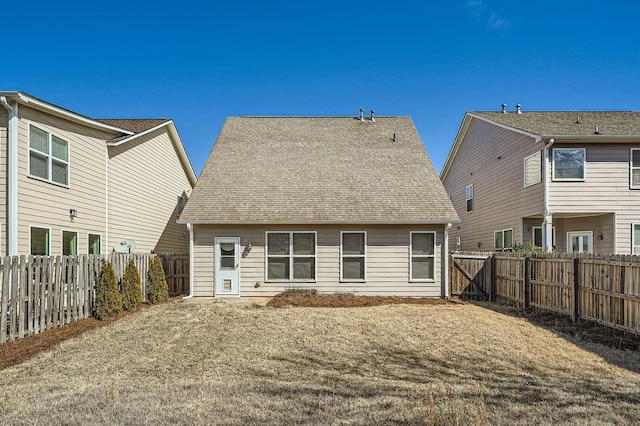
(576, 288)
(493, 285)
(527, 281)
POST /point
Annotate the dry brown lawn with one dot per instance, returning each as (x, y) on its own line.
(211, 362)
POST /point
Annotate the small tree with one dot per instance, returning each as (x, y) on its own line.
(131, 288)
(108, 298)
(157, 289)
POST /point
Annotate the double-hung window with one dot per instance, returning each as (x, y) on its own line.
(635, 238)
(291, 256)
(634, 168)
(48, 156)
(469, 198)
(503, 240)
(568, 164)
(423, 256)
(353, 256)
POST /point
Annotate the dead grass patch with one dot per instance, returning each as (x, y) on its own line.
(305, 298)
(198, 362)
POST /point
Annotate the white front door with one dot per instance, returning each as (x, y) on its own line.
(580, 242)
(227, 266)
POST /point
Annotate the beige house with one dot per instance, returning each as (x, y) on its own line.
(70, 184)
(339, 204)
(568, 181)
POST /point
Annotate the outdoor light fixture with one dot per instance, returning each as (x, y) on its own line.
(73, 213)
(247, 249)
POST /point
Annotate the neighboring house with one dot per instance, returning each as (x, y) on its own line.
(70, 184)
(339, 204)
(568, 181)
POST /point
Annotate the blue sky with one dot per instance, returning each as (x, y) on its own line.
(199, 62)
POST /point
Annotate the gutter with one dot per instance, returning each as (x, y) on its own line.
(547, 235)
(190, 228)
(12, 177)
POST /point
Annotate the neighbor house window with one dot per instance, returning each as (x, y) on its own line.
(94, 243)
(69, 243)
(353, 256)
(423, 256)
(537, 236)
(634, 165)
(469, 195)
(291, 256)
(568, 163)
(635, 238)
(40, 241)
(533, 169)
(48, 156)
(503, 240)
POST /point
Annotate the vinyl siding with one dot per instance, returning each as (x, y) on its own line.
(4, 117)
(387, 264)
(492, 160)
(605, 189)
(47, 205)
(145, 180)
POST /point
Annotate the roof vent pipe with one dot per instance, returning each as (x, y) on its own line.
(597, 132)
(361, 118)
(518, 109)
(504, 108)
(373, 118)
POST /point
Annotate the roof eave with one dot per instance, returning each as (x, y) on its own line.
(593, 138)
(40, 105)
(316, 222)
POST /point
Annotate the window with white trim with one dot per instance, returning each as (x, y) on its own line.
(93, 242)
(469, 197)
(634, 168)
(291, 256)
(40, 241)
(568, 164)
(353, 256)
(48, 156)
(503, 240)
(423, 256)
(537, 236)
(533, 169)
(635, 238)
(69, 243)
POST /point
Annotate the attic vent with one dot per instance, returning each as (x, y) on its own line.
(373, 118)
(361, 117)
(518, 109)
(504, 108)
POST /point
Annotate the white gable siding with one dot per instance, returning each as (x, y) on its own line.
(145, 180)
(387, 260)
(491, 159)
(41, 203)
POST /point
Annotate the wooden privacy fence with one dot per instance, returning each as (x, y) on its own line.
(42, 292)
(601, 288)
(176, 270)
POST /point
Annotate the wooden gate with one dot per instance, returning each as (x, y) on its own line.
(470, 276)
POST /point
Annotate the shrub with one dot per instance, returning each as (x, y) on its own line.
(108, 298)
(157, 289)
(299, 292)
(131, 288)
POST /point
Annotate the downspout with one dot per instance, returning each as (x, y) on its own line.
(547, 223)
(445, 265)
(12, 177)
(106, 200)
(190, 228)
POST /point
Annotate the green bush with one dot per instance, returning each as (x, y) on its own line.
(299, 292)
(131, 288)
(157, 289)
(108, 298)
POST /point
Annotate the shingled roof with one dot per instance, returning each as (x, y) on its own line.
(318, 170)
(569, 123)
(137, 125)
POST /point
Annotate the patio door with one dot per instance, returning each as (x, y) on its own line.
(580, 242)
(227, 266)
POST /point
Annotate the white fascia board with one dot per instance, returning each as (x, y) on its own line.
(25, 99)
(595, 139)
(173, 132)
